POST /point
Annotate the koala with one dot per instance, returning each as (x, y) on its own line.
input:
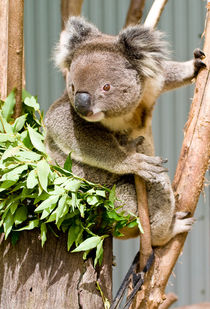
(104, 117)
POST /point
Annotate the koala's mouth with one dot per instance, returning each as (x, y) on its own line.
(94, 117)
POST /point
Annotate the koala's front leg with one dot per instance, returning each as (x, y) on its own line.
(178, 74)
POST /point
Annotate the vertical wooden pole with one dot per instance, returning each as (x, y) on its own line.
(11, 49)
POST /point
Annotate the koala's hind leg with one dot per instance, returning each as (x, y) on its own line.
(181, 223)
(165, 223)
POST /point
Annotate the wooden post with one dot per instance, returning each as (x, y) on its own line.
(11, 49)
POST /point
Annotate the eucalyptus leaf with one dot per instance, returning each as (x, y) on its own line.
(99, 253)
(6, 137)
(8, 223)
(43, 233)
(31, 225)
(47, 203)
(14, 174)
(36, 139)
(6, 184)
(8, 107)
(68, 163)
(101, 193)
(32, 180)
(72, 235)
(19, 123)
(25, 94)
(112, 194)
(43, 170)
(27, 155)
(92, 200)
(32, 103)
(88, 244)
(20, 215)
(10, 152)
(73, 185)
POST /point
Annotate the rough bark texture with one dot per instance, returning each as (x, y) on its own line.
(135, 12)
(70, 8)
(11, 49)
(50, 277)
(188, 183)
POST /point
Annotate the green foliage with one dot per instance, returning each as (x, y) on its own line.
(36, 194)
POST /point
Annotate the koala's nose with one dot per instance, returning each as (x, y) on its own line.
(83, 103)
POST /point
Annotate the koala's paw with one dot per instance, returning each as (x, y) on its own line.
(150, 168)
(198, 63)
(182, 223)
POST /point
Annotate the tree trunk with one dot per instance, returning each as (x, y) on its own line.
(11, 49)
(50, 277)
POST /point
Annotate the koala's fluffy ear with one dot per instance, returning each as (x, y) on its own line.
(144, 48)
(76, 31)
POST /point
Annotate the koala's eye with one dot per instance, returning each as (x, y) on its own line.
(106, 87)
(72, 88)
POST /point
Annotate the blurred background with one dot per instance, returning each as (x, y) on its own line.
(183, 24)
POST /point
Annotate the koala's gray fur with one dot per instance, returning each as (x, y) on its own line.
(104, 117)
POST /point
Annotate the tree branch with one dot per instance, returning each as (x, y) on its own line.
(135, 12)
(188, 182)
(70, 8)
(155, 13)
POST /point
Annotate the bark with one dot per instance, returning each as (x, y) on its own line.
(70, 8)
(188, 182)
(11, 49)
(135, 12)
(50, 277)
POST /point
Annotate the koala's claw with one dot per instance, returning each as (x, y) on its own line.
(198, 53)
(151, 169)
(198, 63)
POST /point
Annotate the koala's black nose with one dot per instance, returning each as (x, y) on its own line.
(82, 103)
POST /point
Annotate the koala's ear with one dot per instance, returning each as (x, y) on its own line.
(76, 31)
(144, 48)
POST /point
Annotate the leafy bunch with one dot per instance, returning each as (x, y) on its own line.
(34, 193)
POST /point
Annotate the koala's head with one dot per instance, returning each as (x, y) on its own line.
(105, 75)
